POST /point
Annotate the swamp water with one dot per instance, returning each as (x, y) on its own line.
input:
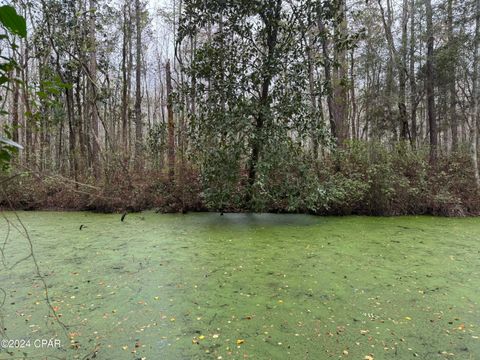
(243, 286)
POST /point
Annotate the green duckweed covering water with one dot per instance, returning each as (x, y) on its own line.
(240, 286)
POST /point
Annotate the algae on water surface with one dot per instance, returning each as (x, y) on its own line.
(204, 286)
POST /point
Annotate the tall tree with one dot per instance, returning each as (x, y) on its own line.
(452, 113)
(399, 58)
(92, 83)
(138, 88)
(429, 83)
(125, 76)
(171, 123)
(270, 15)
(474, 112)
(412, 76)
(327, 70)
(15, 102)
(402, 77)
(340, 74)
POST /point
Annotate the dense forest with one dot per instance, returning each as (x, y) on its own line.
(328, 107)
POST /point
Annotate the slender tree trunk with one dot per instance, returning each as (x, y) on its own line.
(162, 93)
(72, 131)
(92, 69)
(129, 79)
(313, 99)
(339, 76)
(150, 111)
(402, 75)
(80, 122)
(138, 89)
(392, 63)
(429, 85)
(193, 91)
(369, 80)
(40, 133)
(413, 84)
(171, 124)
(328, 74)
(399, 60)
(353, 100)
(125, 80)
(475, 95)
(14, 111)
(26, 99)
(185, 100)
(452, 79)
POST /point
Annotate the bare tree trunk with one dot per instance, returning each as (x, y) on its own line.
(72, 130)
(475, 95)
(339, 76)
(162, 92)
(413, 84)
(171, 124)
(193, 92)
(40, 133)
(125, 81)
(328, 74)
(129, 79)
(353, 100)
(313, 99)
(402, 76)
(452, 79)
(429, 85)
(15, 97)
(92, 69)
(150, 111)
(185, 100)
(138, 90)
(25, 98)
(80, 120)
(400, 61)
(392, 62)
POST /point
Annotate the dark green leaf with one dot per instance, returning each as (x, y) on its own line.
(12, 21)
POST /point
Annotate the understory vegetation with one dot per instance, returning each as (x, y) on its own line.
(362, 178)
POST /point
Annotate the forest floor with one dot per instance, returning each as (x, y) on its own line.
(242, 286)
